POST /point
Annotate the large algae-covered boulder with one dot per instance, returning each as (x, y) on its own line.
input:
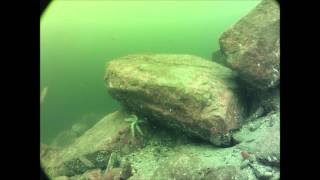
(183, 92)
(93, 149)
(252, 46)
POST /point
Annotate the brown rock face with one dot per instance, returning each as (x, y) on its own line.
(183, 92)
(252, 46)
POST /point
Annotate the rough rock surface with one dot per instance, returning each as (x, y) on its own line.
(256, 156)
(262, 103)
(48, 155)
(184, 92)
(223, 173)
(61, 178)
(192, 160)
(180, 167)
(168, 155)
(64, 139)
(252, 46)
(219, 58)
(85, 123)
(261, 137)
(91, 150)
(68, 136)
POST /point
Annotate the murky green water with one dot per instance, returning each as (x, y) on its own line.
(79, 37)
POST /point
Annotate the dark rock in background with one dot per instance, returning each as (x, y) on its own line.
(252, 46)
(219, 58)
(262, 103)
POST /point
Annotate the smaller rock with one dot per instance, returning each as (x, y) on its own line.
(245, 155)
(112, 174)
(268, 160)
(138, 177)
(266, 144)
(263, 102)
(244, 164)
(117, 168)
(254, 125)
(262, 172)
(257, 114)
(92, 149)
(64, 139)
(223, 173)
(219, 57)
(126, 172)
(276, 176)
(61, 178)
(49, 155)
(79, 128)
(85, 123)
(180, 168)
(91, 175)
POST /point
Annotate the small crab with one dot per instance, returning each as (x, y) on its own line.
(135, 121)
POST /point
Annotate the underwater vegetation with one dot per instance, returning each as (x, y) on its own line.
(202, 119)
(134, 124)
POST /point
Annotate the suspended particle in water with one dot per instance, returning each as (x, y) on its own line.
(43, 94)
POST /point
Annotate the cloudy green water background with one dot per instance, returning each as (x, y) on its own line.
(78, 37)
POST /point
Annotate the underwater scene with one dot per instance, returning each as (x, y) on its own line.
(160, 90)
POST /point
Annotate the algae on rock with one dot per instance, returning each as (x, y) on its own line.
(92, 150)
(252, 46)
(168, 155)
(184, 92)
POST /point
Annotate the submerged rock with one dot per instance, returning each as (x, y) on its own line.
(92, 150)
(48, 155)
(252, 46)
(219, 58)
(183, 92)
(182, 167)
(85, 123)
(64, 139)
(94, 174)
(262, 103)
(263, 140)
(167, 155)
(223, 173)
(193, 161)
(112, 174)
(61, 178)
